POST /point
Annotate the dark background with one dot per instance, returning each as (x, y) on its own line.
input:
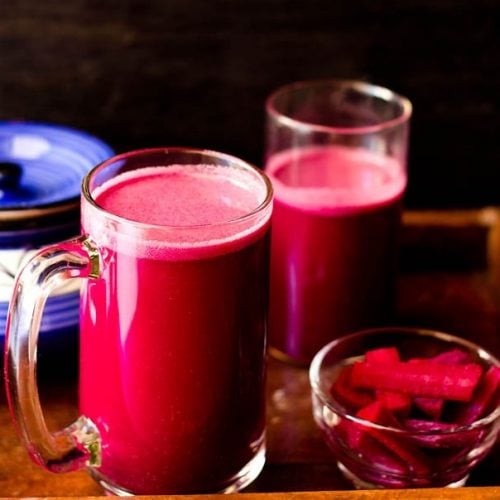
(144, 73)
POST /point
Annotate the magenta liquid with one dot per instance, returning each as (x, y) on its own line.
(173, 331)
(333, 251)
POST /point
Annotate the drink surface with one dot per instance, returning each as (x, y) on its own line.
(172, 333)
(188, 195)
(335, 221)
(334, 180)
(180, 211)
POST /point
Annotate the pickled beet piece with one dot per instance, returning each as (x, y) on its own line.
(345, 394)
(355, 433)
(382, 355)
(486, 398)
(425, 378)
(432, 407)
(453, 356)
(399, 445)
(383, 459)
(441, 434)
(394, 401)
(404, 449)
(377, 460)
(397, 402)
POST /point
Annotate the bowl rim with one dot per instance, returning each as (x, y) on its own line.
(338, 409)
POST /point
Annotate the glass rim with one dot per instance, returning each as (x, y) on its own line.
(363, 87)
(337, 408)
(232, 160)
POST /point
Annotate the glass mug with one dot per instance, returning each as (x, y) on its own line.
(172, 326)
(336, 155)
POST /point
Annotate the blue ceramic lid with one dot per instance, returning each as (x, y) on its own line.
(41, 171)
(42, 165)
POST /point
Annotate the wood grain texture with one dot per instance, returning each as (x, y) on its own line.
(430, 494)
(192, 72)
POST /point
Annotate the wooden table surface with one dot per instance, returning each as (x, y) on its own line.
(449, 280)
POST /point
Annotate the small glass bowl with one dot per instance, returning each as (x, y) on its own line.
(423, 458)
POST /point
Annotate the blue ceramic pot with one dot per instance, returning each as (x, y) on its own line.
(41, 170)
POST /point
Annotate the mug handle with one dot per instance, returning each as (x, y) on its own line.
(78, 445)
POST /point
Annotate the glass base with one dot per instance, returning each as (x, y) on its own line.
(286, 358)
(241, 480)
(361, 484)
(249, 472)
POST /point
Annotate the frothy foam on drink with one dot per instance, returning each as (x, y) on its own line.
(335, 179)
(169, 210)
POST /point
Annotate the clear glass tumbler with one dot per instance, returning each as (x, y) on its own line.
(336, 154)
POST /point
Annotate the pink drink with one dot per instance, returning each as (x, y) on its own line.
(335, 222)
(173, 333)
